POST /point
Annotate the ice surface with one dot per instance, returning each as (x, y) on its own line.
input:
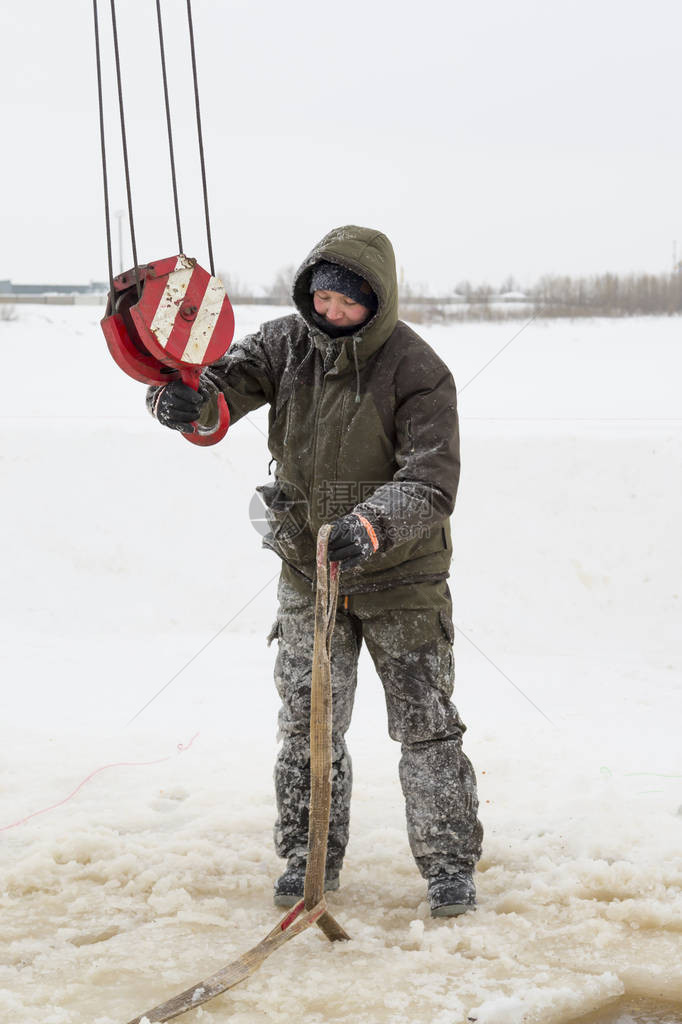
(635, 1011)
(128, 555)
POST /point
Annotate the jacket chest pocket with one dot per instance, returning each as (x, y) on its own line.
(365, 451)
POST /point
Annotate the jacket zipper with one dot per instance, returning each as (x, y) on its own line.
(409, 436)
(291, 396)
(344, 404)
(316, 435)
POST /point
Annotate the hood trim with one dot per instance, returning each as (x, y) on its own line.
(366, 252)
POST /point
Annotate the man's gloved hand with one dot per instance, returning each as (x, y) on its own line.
(352, 540)
(177, 406)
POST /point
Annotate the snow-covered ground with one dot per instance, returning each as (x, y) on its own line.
(130, 565)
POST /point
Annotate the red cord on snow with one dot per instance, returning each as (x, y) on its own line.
(181, 748)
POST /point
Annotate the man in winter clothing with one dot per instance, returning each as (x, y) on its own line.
(363, 429)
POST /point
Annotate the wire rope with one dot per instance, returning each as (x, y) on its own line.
(199, 134)
(124, 143)
(105, 180)
(171, 150)
(124, 140)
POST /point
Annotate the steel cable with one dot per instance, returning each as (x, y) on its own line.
(124, 143)
(199, 133)
(168, 123)
(103, 148)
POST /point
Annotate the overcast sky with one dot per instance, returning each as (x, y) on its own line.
(484, 138)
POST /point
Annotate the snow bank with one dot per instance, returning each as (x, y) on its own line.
(133, 569)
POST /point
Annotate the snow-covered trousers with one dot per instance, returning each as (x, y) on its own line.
(412, 653)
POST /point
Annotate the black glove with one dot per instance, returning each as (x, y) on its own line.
(352, 540)
(177, 406)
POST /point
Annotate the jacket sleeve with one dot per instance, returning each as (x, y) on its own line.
(424, 486)
(244, 375)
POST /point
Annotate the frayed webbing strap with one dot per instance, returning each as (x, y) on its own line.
(370, 530)
(295, 922)
(326, 598)
(312, 909)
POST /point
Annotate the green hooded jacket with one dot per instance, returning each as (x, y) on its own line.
(365, 423)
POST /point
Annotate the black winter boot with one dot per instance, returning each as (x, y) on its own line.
(450, 895)
(289, 886)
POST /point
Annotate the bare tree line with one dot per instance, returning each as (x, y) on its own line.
(278, 291)
(552, 295)
(565, 296)
(610, 294)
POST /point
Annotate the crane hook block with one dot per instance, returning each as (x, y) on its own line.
(166, 322)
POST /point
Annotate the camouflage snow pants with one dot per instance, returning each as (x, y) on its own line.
(412, 652)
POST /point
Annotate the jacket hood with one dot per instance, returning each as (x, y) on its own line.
(370, 254)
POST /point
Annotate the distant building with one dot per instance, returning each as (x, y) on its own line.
(94, 288)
